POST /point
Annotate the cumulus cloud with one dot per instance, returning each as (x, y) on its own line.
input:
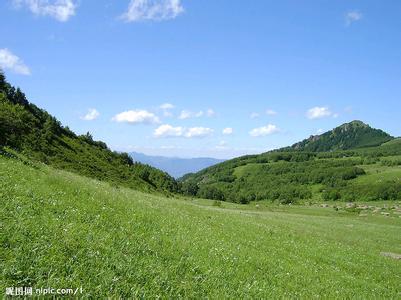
(227, 131)
(271, 112)
(91, 115)
(318, 113)
(264, 130)
(60, 10)
(136, 117)
(198, 132)
(167, 130)
(166, 106)
(352, 16)
(152, 10)
(10, 61)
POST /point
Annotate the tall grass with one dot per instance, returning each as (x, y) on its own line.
(61, 230)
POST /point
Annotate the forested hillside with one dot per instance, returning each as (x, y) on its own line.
(355, 134)
(294, 174)
(39, 136)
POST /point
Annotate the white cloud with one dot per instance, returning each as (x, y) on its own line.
(186, 114)
(198, 132)
(166, 106)
(264, 130)
(254, 115)
(227, 131)
(152, 10)
(352, 16)
(271, 112)
(320, 131)
(136, 117)
(318, 113)
(10, 61)
(91, 115)
(61, 10)
(167, 130)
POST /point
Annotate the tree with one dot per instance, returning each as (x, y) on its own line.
(19, 98)
(190, 188)
(2, 81)
(49, 129)
(15, 122)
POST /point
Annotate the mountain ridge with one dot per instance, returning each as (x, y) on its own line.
(351, 135)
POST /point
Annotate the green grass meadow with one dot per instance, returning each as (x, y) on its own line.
(62, 230)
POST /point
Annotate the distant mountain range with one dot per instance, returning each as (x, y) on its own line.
(175, 166)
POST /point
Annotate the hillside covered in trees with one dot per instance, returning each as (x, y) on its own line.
(355, 134)
(29, 130)
(315, 169)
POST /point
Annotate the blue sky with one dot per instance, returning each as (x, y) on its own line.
(267, 73)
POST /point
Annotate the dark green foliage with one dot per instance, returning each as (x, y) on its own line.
(189, 188)
(14, 123)
(2, 81)
(352, 135)
(372, 192)
(289, 176)
(210, 192)
(391, 162)
(41, 137)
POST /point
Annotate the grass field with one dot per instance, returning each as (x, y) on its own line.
(61, 230)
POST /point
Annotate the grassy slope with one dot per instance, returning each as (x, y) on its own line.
(62, 230)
